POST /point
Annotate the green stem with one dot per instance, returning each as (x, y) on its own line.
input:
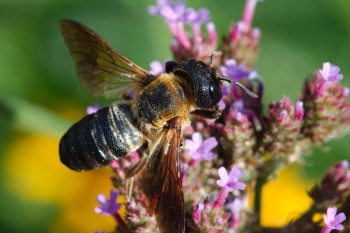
(260, 181)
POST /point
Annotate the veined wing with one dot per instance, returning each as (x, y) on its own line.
(160, 180)
(100, 68)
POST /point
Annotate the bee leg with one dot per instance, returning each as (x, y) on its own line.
(214, 114)
(129, 185)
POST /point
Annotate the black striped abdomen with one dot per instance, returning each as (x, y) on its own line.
(100, 138)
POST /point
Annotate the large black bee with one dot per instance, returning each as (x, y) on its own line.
(150, 121)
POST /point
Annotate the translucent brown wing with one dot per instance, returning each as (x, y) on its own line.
(100, 68)
(160, 180)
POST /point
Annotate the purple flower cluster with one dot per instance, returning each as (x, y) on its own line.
(334, 187)
(177, 12)
(225, 160)
(177, 16)
(208, 209)
(284, 128)
(326, 106)
(242, 43)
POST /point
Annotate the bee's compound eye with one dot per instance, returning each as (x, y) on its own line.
(212, 89)
(215, 92)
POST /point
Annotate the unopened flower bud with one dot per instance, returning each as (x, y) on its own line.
(197, 212)
(327, 110)
(334, 186)
(285, 121)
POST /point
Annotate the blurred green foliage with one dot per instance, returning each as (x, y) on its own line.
(37, 78)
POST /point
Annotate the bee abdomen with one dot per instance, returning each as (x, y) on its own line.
(100, 138)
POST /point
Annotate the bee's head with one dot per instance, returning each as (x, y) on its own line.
(205, 83)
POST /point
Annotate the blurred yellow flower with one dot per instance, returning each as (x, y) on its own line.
(285, 198)
(34, 173)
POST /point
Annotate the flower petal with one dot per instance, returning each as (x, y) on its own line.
(168, 13)
(231, 62)
(235, 173)
(156, 67)
(153, 10)
(223, 174)
(189, 145)
(197, 139)
(98, 210)
(334, 70)
(224, 71)
(209, 156)
(202, 15)
(195, 154)
(209, 144)
(113, 195)
(238, 185)
(338, 227)
(331, 211)
(339, 218)
(326, 220)
(220, 183)
(117, 206)
(101, 199)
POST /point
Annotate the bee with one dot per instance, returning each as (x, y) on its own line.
(150, 121)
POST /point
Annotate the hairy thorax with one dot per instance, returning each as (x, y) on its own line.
(163, 99)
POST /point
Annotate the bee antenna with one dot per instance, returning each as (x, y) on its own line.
(241, 86)
(245, 89)
(215, 53)
(225, 79)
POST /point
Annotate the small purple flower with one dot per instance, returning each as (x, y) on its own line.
(108, 207)
(299, 110)
(282, 115)
(219, 221)
(236, 30)
(332, 220)
(212, 35)
(201, 149)
(197, 212)
(225, 90)
(196, 18)
(156, 67)
(172, 12)
(93, 108)
(230, 181)
(235, 207)
(238, 105)
(330, 72)
(234, 71)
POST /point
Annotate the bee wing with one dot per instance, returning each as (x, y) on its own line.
(161, 181)
(100, 68)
